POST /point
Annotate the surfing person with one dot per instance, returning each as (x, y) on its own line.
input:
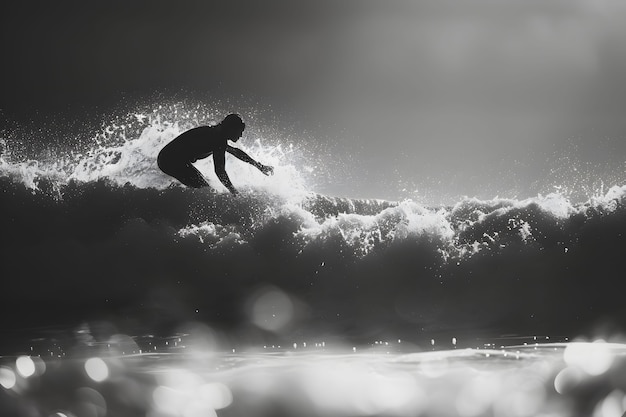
(176, 158)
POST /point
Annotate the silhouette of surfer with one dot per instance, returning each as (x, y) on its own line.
(176, 158)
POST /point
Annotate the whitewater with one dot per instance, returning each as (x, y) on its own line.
(127, 294)
(124, 152)
(99, 203)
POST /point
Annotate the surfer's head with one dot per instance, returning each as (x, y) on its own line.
(233, 126)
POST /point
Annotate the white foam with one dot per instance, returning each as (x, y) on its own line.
(121, 157)
(125, 152)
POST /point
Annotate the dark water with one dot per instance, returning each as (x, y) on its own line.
(97, 243)
(95, 233)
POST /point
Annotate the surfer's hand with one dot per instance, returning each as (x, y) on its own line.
(267, 170)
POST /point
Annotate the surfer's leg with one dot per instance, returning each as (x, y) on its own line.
(188, 175)
(191, 177)
(183, 172)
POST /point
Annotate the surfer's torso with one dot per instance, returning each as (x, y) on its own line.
(194, 144)
(177, 157)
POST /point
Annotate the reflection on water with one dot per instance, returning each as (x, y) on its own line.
(186, 375)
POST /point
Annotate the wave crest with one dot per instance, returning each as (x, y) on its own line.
(120, 160)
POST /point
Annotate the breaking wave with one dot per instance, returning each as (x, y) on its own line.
(122, 231)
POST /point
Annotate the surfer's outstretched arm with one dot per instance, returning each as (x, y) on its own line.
(266, 169)
(219, 159)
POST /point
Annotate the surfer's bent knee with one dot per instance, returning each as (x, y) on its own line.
(168, 164)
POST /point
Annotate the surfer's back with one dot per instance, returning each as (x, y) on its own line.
(192, 143)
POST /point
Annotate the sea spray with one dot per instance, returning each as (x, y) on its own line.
(115, 236)
(123, 153)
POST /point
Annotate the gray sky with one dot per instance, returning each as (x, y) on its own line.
(476, 97)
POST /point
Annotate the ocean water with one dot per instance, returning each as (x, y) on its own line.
(98, 243)
(190, 379)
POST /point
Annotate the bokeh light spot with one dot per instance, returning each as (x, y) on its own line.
(168, 400)
(611, 406)
(567, 379)
(216, 394)
(271, 309)
(40, 365)
(7, 378)
(25, 366)
(594, 358)
(97, 369)
(90, 402)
